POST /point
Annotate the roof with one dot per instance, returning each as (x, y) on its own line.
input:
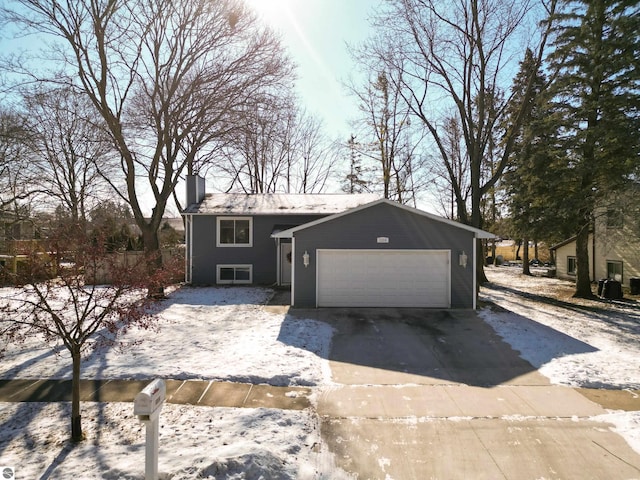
(478, 233)
(278, 203)
(564, 242)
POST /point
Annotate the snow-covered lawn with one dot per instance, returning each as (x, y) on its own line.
(575, 342)
(205, 333)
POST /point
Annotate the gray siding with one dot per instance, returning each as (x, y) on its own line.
(405, 230)
(262, 255)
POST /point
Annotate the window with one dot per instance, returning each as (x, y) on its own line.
(614, 270)
(572, 266)
(615, 219)
(235, 232)
(234, 274)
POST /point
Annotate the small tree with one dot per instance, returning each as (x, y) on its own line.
(63, 304)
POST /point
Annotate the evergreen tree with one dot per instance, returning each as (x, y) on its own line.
(530, 175)
(595, 60)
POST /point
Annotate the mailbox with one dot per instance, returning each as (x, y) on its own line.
(147, 406)
(150, 399)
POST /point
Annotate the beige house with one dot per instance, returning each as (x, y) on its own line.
(614, 248)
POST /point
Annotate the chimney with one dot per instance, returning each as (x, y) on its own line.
(195, 189)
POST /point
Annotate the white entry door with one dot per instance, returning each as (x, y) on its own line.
(285, 264)
(384, 278)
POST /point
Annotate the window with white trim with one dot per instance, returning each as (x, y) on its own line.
(234, 274)
(572, 265)
(614, 270)
(234, 232)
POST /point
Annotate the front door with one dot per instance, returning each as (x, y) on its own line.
(285, 264)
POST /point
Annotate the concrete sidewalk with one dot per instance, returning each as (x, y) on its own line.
(191, 392)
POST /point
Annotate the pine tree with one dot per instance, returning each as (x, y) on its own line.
(596, 92)
(529, 180)
(522, 177)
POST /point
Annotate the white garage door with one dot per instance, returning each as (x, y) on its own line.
(383, 278)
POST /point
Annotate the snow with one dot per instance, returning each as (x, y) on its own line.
(195, 442)
(198, 331)
(227, 334)
(201, 333)
(281, 203)
(574, 342)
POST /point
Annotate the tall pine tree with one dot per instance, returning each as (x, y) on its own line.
(596, 91)
(525, 180)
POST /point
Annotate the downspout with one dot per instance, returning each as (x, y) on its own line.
(475, 278)
(293, 269)
(278, 263)
(188, 260)
(593, 252)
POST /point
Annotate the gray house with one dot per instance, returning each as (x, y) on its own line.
(334, 250)
(230, 237)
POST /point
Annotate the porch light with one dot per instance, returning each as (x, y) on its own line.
(305, 258)
(463, 260)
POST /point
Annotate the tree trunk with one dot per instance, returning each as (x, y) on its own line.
(583, 282)
(76, 419)
(153, 256)
(481, 277)
(525, 257)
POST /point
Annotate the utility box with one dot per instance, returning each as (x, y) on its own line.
(150, 399)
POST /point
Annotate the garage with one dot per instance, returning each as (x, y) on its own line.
(383, 254)
(383, 278)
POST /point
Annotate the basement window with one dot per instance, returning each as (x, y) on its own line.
(234, 274)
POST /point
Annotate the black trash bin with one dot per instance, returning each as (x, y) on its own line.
(612, 290)
(601, 286)
(634, 285)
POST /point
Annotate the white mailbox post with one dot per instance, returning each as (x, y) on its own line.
(147, 406)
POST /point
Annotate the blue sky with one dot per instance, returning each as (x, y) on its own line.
(316, 33)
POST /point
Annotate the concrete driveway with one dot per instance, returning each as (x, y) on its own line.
(422, 394)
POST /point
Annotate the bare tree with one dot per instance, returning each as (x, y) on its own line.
(16, 179)
(453, 189)
(167, 77)
(385, 119)
(257, 155)
(68, 150)
(457, 56)
(280, 148)
(63, 305)
(312, 156)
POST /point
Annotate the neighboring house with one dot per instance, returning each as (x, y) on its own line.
(614, 249)
(16, 234)
(334, 249)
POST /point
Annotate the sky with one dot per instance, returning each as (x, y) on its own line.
(317, 32)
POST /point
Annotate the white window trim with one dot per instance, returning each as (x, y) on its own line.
(575, 260)
(234, 245)
(234, 282)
